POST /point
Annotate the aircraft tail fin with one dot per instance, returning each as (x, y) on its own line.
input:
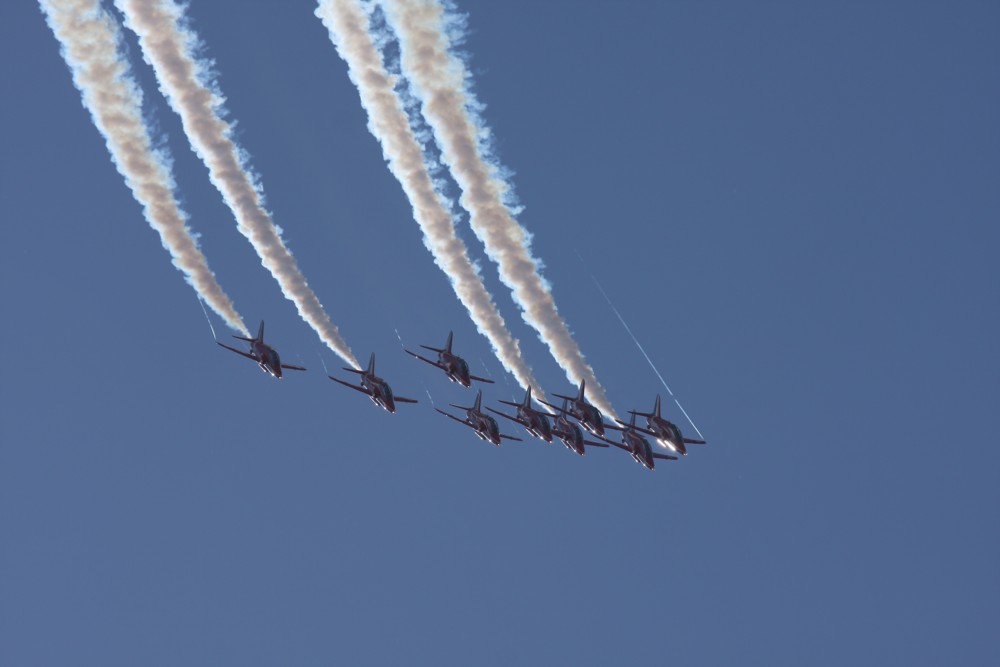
(447, 345)
(371, 364)
(583, 390)
(260, 332)
(479, 396)
(527, 398)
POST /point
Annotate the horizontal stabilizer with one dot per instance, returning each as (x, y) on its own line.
(353, 370)
(292, 368)
(479, 379)
(591, 443)
(667, 457)
(694, 442)
(400, 399)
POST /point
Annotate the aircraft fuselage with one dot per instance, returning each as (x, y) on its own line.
(667, 433)
(456, 368)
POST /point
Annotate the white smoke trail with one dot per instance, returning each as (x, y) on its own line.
(89, 41)
(169, 45)
(347, 23)
(439, 81)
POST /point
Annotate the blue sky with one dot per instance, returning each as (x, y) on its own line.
(794, 206)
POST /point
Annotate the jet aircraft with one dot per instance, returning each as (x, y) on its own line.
(536, 421)
(639, 447)
(664, 431)
(265, 355)
(572, 435)
(589, 416)
(486, 427)
(454, 366)
(375, 387)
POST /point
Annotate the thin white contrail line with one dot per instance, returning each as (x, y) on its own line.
(89, 39)
(641, 349)
(439, 80)
(170, 46)
(208, 319)
(347, 23)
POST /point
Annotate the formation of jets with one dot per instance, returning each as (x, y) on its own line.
(534, 420)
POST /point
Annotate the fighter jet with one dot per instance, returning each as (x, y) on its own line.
(375, 387)
(536, 421)
(639, 447)
(589, 416)
(265, 355)
(453, 365)
(664, 431)
(485, 426)
(571, 434)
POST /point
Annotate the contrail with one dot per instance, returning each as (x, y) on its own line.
(208, 319)
(89, 39)
(438, 80)
(347, 23)
(643, 350)
(169, 46)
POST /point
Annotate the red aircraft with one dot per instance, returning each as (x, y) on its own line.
(666, 432)
(486, 427)
(375, 387)
(265, 355)
(639, 447)
(454, 366)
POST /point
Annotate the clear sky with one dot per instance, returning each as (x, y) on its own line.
(793, 204)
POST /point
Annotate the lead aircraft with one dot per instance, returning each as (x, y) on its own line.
(486, 427)
(375, 387)
(265, 355)
(454, 366)
(666, 432)
(639, 447)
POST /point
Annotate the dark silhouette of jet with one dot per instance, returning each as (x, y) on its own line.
(265, 355)
(454, 366)
(486, 427)
(375, 387)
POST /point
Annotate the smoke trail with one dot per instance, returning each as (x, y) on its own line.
(169, 45)
(347, 23)
(439, 80)
(89, 39)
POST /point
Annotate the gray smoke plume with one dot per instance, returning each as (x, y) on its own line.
(89, 38)
(439, 80)
(170, 47)
(348, 23)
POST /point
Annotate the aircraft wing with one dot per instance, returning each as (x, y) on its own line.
(668, 457)
(476, 377)
(424, 359)
(591, 443)
(248, 356)
(513, 419)
(292, 368)
(460, 421)
(554, 407)
(637, 428)
(352, 386)
(620, 445)
(694, 442)
(400, 399)
(616, 428)
(510, 437)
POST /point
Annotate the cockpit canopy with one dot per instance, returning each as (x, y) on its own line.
(386, 390)
(463, 366)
